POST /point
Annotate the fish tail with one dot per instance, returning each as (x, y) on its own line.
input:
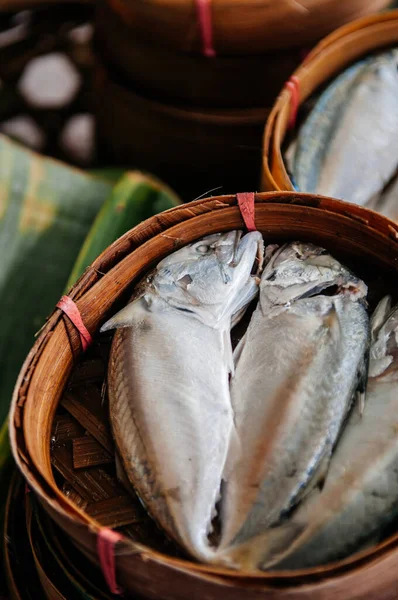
(263, 551)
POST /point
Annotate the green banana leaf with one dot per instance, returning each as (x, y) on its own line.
(112, 174)
(46, 209)
(134, 198)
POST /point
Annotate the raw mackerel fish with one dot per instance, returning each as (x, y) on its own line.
(359, 498)
(348, 146)
(297, 369)
(168, 378)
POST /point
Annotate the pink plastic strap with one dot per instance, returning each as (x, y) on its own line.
(293, 85)
(106, 541)
(246, 207)
(67, 305)
(203, 8)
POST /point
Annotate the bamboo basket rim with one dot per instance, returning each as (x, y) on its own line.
(236, 23)
(170, 222)
(205, 116)
(334, 53)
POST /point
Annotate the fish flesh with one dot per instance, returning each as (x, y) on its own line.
(297, 368)
(360, 495)
(348, 148)
(168, 381)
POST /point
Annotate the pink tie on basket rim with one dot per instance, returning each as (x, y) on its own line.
(203, 9)
(246, 207)
(106, 542)
(293, 85)
(67, 305)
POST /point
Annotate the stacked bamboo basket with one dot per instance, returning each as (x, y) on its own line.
(59, 425)
(40, 560)
(327, 59)
(184, 86)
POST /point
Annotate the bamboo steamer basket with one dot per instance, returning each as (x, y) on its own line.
(327, 59)
(249, 27)
(193, 150)
(189, 79)
(18, 564)
(153, 51)
(366, 241)
(58, 580)
(34, 559)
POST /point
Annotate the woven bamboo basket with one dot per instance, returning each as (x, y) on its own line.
(155, 81)
(40, 561)
(193, 150)
(327, 59)
(184, 78)
(53, 416)
(18, 564)
(250, 27)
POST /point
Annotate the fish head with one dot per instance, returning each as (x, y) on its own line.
(212, 280)
(208, 276)
(299, 270)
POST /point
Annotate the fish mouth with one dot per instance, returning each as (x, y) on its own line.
(233, 238)
(230, 244)
(225, 249)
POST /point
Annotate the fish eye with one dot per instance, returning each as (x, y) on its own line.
(202, 249)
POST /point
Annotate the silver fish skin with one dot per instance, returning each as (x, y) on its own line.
(297, 369)
(348, 146)
(168, 380)
(360, 495)
(314, 135)
(387, 204)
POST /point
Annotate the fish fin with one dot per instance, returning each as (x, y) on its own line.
(123, 318)
(236, 310)
(264, 550)
(379, 316)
